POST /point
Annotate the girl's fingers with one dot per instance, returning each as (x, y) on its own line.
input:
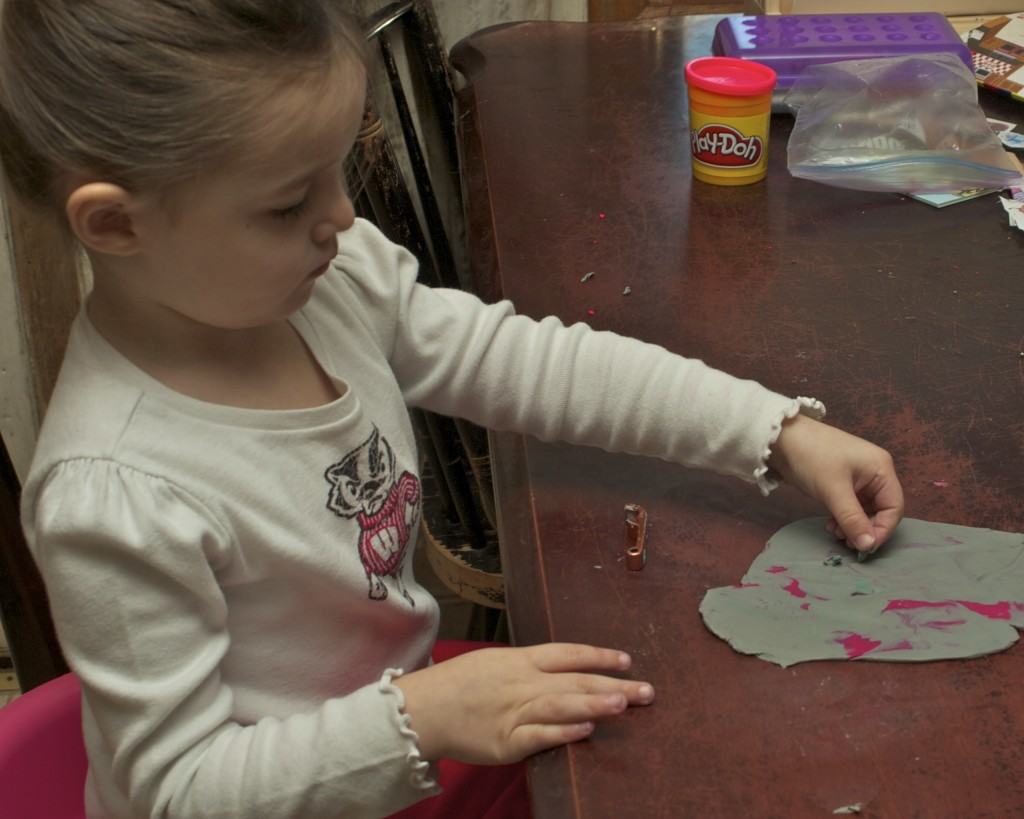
(850, 517)
(635, 692)
(571, 683)
(888, 503)
(557, 720)
(571, 707)
(527, 740)
(884, 523)
(566, 709)
(561, 657)
(640, 693)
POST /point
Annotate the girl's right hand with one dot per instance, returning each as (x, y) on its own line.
(854, 479)
(499, 705)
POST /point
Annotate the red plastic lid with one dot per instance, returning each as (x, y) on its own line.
(730, 76)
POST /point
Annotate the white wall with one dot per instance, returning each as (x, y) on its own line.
(459, 18)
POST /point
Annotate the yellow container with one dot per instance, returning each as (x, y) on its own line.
(730, 110)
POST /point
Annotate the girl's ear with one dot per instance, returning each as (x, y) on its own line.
(102, 217)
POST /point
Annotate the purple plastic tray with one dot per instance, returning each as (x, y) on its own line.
(791, 42)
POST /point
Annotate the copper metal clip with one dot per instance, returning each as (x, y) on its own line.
(636, 537)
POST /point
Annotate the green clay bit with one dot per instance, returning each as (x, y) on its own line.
(862, 587)
(834, 560)
(848, 809)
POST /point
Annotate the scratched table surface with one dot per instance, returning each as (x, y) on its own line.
(908, 321)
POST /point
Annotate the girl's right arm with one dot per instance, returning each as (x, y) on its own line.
(131, 566)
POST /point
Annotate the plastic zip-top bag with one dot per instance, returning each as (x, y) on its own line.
(900, 124)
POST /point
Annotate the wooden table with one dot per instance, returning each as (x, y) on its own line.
(907, 320)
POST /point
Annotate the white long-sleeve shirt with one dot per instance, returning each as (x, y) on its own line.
(234, 587)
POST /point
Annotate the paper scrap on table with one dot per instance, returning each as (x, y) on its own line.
(998, 126)
(941, 200)
(1011, 139)
(1007, 133)
(1013, 204)
(934, 591)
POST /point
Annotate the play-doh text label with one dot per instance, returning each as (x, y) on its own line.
(723, 146)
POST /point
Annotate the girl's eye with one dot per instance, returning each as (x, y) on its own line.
(290, 212)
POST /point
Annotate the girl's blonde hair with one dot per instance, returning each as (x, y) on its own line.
(149, 93)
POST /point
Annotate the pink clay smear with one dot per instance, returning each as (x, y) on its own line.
(776, 569)
(857, 645)
(902, 645)
(943, 624)
(794, 588)
(993, 611)
(895, 605)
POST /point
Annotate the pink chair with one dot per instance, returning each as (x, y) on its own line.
(42, 757)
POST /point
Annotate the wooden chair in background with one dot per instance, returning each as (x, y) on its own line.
(23, 604)
(48, 281)
(459, 526)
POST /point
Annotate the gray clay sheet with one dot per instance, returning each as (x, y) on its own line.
(934, 591)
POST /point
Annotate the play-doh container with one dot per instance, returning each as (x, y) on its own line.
(730, 109)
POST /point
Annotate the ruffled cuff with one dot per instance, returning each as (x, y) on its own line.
(767, 479)
(422, 776)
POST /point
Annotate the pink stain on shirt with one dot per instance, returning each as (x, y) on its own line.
(857, 645)
(776, 569)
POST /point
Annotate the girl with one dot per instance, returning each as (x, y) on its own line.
(225, 495)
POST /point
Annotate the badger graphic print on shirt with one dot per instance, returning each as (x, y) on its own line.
(386, 507)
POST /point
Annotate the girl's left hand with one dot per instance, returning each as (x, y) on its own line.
(854, 479)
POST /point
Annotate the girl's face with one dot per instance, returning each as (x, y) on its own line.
(244, 247)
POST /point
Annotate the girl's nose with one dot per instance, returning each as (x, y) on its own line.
(338, 218)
